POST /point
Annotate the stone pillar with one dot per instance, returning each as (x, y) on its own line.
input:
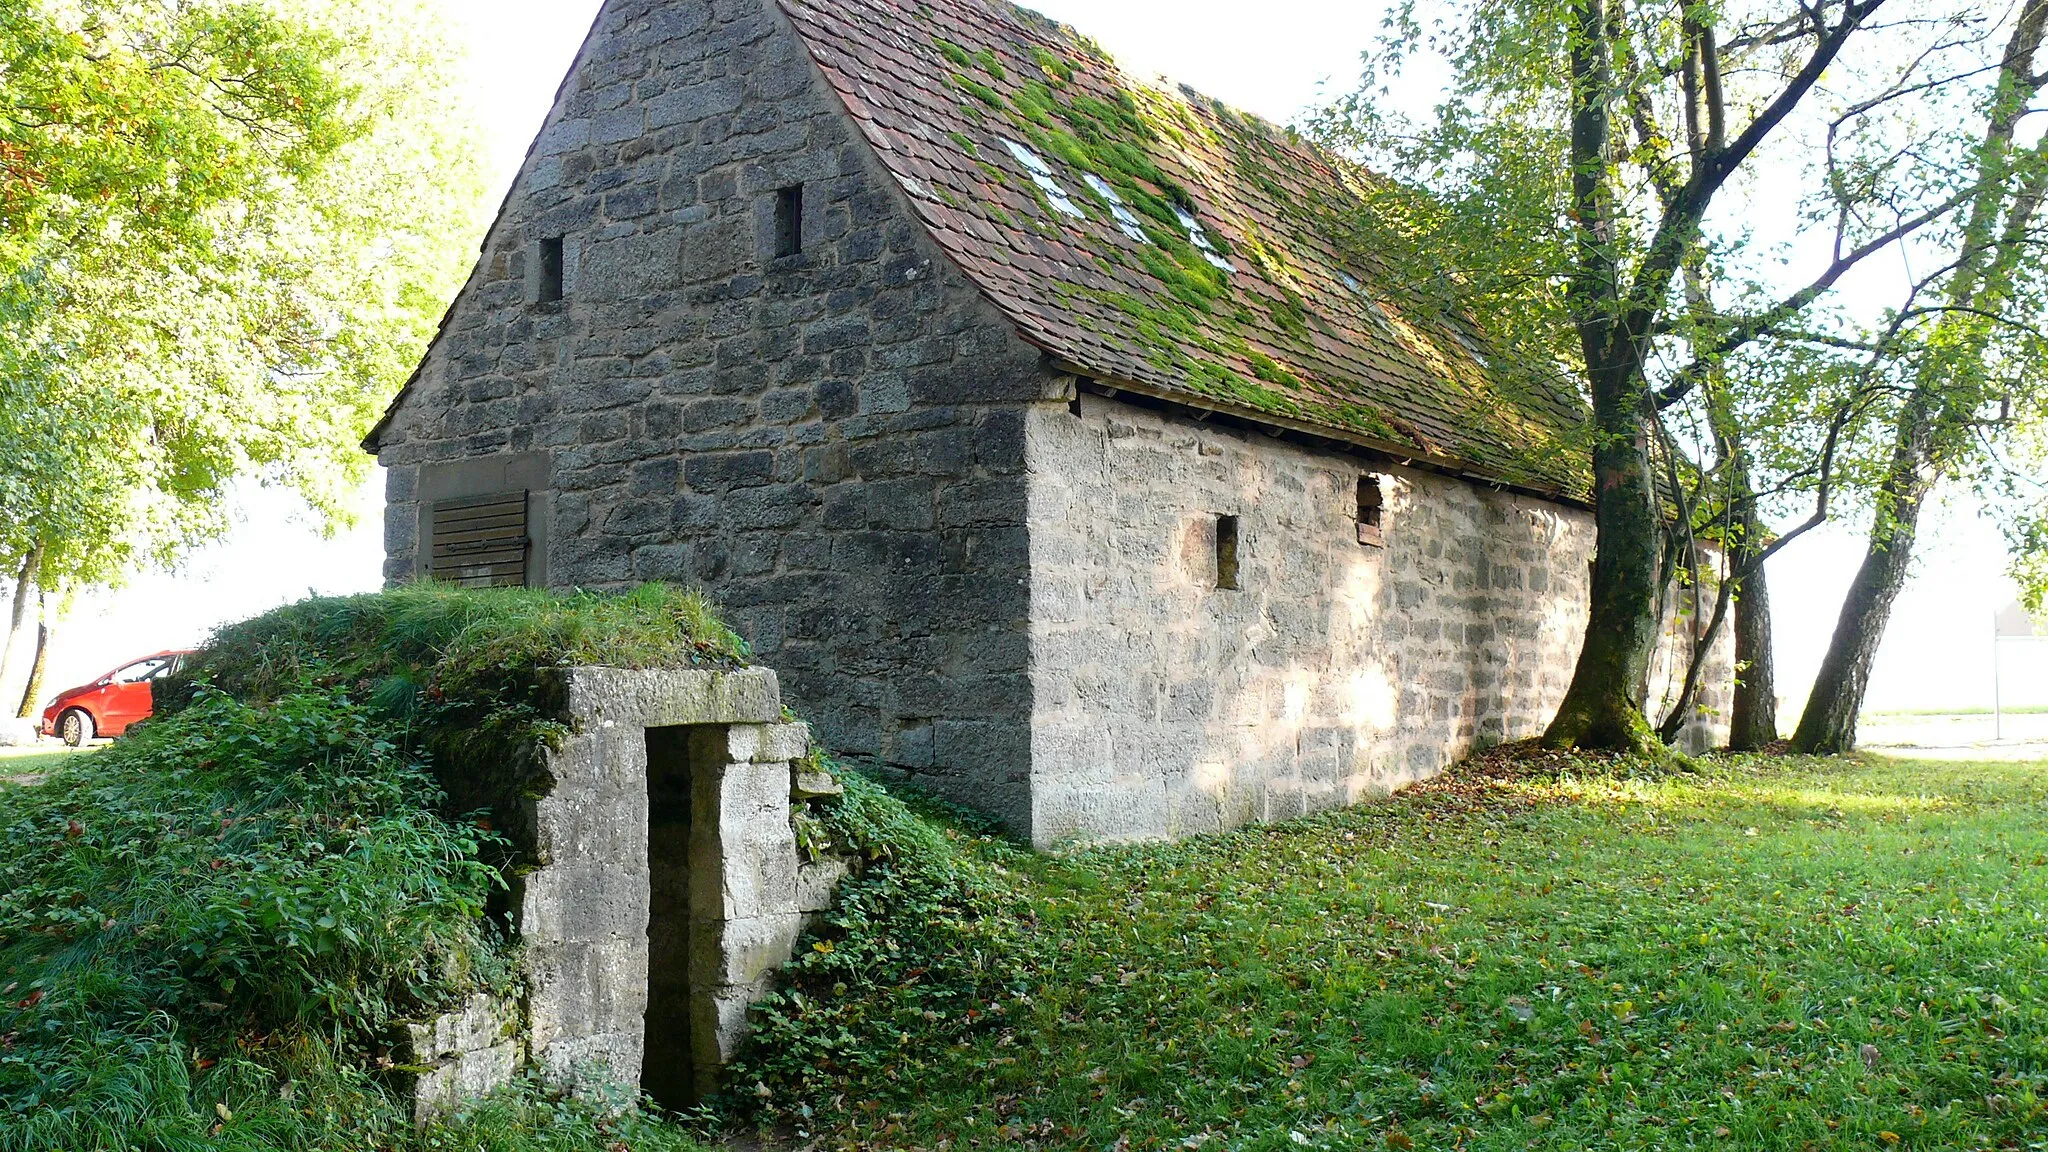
(743, 876)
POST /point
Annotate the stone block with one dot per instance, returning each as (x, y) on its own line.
(661, 698)
(814, 786)
(585, 901)
(817, 884)
(594, 1065)
(445, 1086)
(580, 988)
(743, 950)
(482, 1022)
(783, 742)
(727, 1017)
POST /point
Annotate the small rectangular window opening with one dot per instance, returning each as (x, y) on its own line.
(551, 272)
(480, 542)
(1226, 552)
(1372, 510)
(789, 221)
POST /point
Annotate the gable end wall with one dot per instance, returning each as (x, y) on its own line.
(832, 445)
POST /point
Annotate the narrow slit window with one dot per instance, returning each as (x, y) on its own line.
(1226, 552)
(1372, 512)
(551, 270)
(789, 221)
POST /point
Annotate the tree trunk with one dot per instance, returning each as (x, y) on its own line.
(22, 584)
(1685, 708)
(31, 694)
(1753, 716)
(1603, 708)
(1828, 725)
(1753, 713)
(1944, 400)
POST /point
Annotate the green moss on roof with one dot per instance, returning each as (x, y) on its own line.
(1056, 69)
(978, 90)
(1269, 369)
(1253, 308)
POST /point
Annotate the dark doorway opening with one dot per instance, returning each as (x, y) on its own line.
(668, 1068)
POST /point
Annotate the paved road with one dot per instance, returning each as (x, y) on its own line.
(2025, 737)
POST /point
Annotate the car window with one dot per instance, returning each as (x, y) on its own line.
(164, 672)
(139, 671)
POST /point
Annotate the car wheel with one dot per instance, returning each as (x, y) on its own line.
(75, 727)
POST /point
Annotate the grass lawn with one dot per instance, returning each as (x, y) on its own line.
(1799, 955)
(35, 761)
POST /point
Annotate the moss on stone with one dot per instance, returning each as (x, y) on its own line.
(958, 56)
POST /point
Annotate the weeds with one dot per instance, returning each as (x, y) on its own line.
(208, 929)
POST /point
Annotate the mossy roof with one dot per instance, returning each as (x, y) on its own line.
(1267, 309)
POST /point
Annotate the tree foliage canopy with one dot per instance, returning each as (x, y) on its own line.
(229, 229)
(1763, 235)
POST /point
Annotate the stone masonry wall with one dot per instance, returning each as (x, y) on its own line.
(831, 443)
(665, 891)
(584, 916)
(1165, 706)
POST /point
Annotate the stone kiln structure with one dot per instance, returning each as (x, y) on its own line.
(1048, 431)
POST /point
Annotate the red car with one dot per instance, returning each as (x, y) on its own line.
(111, 704)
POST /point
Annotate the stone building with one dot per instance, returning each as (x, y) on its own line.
(1052, 434)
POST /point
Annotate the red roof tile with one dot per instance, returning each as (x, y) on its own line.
(1296, 330)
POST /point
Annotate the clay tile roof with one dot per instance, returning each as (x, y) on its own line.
(1258, 310)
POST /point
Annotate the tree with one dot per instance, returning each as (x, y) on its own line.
(1968, 342)
(230, 229)
(1584, 172)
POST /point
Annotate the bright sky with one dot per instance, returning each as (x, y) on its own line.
(1936, 654)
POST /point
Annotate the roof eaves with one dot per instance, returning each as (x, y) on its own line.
(1405, 455)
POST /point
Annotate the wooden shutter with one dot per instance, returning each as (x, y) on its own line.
(481, 542)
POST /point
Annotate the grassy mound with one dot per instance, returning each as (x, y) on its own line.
(207, 930)
(415, 648)
(933, 944)
(463, 677)
(237, 887)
